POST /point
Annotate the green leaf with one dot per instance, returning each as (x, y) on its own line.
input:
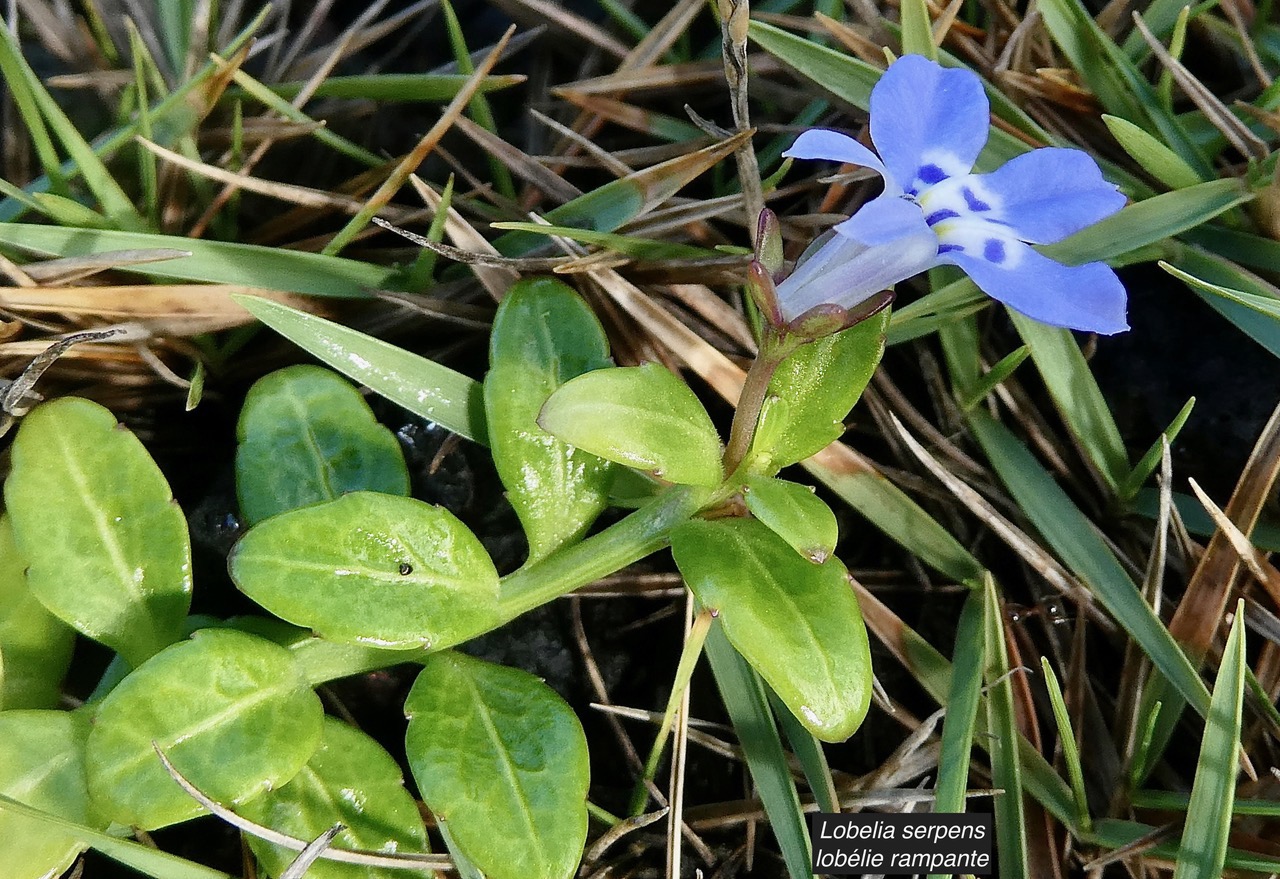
(794, 513)
(820, 383)
(1112, 76)
(18, 74)
(1265, 305)
(1076, 395)
(797, 623)
(1158, 160)
(1208, 826)
(422, 386)
(396, 87)
(106, 545)
(963, 697)
(917, 30)
(349, 780)
(35, 646)
(892, 512)
(1132, 483)
(503, 760)
(220, 262)
(1073, 538)
(231, 711)
(1222, 274)
(1067, 742)
(371, 568)
(1149, 221)
(748, 706)
(617, 203)
(1002, 724)
(42, 765)
(808, 753)
(994, 377)
(641, 416)
(69, 212)
(307, 436)
(543, 335)
(145, 859)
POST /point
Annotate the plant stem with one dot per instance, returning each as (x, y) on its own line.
(773, 350)
(630, 540)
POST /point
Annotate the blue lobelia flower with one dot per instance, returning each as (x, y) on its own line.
(929, 124)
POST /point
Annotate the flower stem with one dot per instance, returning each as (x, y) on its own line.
(774, 348)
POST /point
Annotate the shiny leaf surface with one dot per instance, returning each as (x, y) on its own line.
(794, 513)
(231, 711)
(370, 568)
(797, 623)
(503, 760)
(641, 416)
(306, 436)
(35, 646)
(543, 336)
(42, 765)
(820, 384)
(92, 514)
(349, 780)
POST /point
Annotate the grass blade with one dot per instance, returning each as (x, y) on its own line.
(808, 751)
(115, 204)
(145, 859)
(1203, 849)
(1149, 221)
(885, 505)
(964, 694)
(1076, 395)
(744, 698)
(422, 386)
(1067, 736)
(214, 261)
(1073, 538)
(1129, 487)
(994, 377)
(1002, 724)
(917, 30)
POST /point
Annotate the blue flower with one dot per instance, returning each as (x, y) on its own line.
(928, 125)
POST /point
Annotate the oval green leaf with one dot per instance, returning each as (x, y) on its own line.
(349, 780)
(373, 569)
(34, 644)
(794, 513)
(503, 760)
(820, 383)
(106, 545)
(231, 711)
(797, 623)
(307, 436)
(42, 765)
(543, 336)
(641, 416)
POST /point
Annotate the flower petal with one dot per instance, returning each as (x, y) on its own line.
(884, 219)
(1047, 194)
(821, 143)
(1088, 297)
(928, 123)
(845, 272)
